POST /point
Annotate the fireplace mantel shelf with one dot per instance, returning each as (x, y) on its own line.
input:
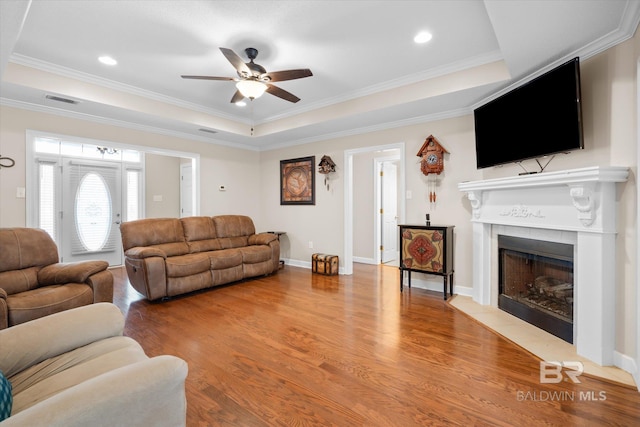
(583, 189)
(567, 177)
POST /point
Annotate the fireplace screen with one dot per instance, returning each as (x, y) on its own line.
(536, 283)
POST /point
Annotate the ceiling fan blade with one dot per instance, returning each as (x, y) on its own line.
(237, 97)
(210, 78)
(281, 93)
(236, 61)
(280, 76)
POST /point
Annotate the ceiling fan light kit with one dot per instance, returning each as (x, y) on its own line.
(253, 79)
(251, 89)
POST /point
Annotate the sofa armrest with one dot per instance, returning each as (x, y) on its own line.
(140, 252)
(147, 393)
(262, 238)
(102, 285)
(31, 342)
(70, 272)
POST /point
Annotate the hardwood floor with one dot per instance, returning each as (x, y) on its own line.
(301, 349)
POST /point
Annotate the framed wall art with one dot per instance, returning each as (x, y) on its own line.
(298, 181)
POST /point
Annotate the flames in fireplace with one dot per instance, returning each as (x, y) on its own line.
(536, 283)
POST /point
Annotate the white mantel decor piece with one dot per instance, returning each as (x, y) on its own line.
(576, 206)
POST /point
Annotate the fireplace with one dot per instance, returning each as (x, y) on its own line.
(577, 207)
(536, 283)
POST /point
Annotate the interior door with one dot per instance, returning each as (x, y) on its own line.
(91, 199)
(389, 220)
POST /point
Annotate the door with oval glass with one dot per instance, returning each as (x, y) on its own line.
(91, 199)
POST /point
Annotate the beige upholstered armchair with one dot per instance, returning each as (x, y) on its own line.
(75, 368)
(34, 284)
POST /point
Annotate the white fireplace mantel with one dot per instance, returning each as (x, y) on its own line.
(578, 205)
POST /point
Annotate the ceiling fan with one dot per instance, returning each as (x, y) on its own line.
(253, 79)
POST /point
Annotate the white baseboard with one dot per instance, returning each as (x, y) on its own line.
(305, 264)
(437, 285)
(297, 263)
(627, 363)
(362, 260)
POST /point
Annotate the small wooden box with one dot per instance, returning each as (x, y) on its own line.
(324, 264)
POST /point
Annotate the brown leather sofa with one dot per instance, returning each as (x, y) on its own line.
(34, 284)
(166, 257)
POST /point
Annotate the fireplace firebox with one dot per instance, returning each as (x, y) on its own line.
(536, 283)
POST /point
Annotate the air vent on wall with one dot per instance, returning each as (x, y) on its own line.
(207, 130)
(61, 99)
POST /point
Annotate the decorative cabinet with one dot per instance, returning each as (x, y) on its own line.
(427, 249)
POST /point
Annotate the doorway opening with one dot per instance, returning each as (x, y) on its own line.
(351, 182)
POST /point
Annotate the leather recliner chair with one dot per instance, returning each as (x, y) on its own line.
(34, 284)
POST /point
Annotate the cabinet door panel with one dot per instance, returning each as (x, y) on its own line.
(423, 250)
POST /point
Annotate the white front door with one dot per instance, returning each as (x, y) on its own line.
(389, 220)
(91, 200)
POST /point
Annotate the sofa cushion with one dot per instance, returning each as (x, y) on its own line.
(160, 232)
(200, 234)
(233, 225)
(186, 265)
(225, 258)
(6, 398)
(47, 300)
(59, 373)
(26, 247)
(198, 228)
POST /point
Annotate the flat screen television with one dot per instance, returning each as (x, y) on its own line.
(539, 118)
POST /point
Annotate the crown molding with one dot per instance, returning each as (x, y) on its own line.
(432, 73)
(625, 31)
(119, 123)
(121, 87)
(370, 129)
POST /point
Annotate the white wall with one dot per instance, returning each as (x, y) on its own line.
(323, 224)
(162, 186)
(363, 206)
(237, 169)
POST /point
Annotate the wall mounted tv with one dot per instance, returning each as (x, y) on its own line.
(539, 118)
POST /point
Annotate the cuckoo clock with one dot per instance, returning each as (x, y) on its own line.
(432, 163)
(432, 153)
(325, 167)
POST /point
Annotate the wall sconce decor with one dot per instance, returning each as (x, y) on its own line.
(325, 167)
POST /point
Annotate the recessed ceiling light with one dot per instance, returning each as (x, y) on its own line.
(241, 104)
(423, 37)
(107, 60)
